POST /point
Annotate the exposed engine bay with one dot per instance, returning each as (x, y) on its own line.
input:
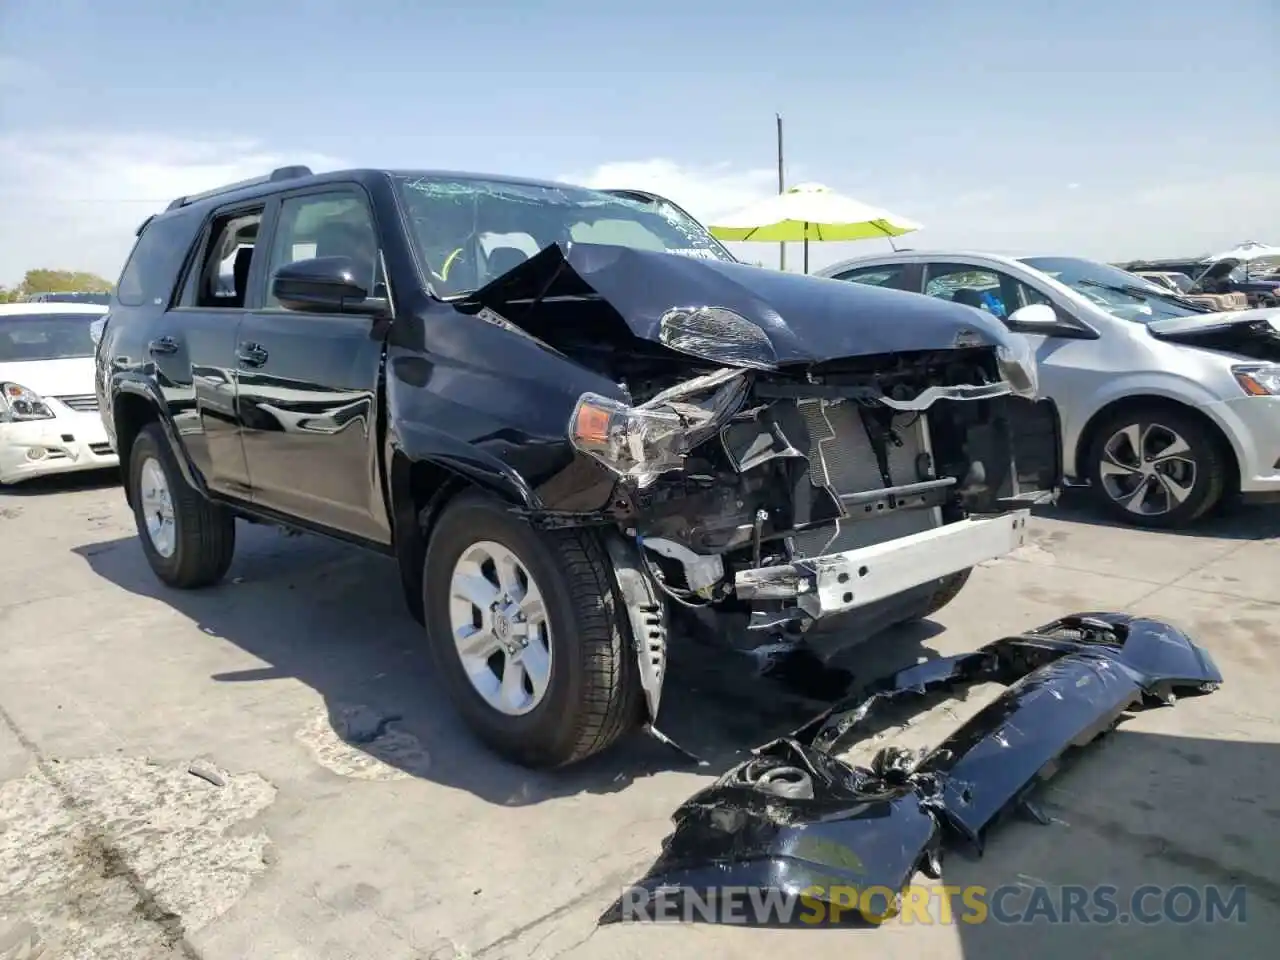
(739, 470)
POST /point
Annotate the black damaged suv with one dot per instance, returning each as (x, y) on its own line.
(565, 412)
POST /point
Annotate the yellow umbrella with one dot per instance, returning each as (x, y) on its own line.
(810, 211)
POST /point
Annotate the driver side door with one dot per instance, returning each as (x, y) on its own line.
(308, 395)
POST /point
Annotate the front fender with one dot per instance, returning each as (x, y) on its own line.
(1143, 385)
(421, 443)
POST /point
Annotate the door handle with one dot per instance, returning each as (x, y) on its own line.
(163, 345)
(251, 354)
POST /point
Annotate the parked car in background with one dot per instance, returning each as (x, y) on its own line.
(1181, 284)
(1226, 276)
(564, 412)
(49, 419)
(1165, 407)
(1170, 280)
(101, 299)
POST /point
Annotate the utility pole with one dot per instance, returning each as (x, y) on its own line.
(782, 247)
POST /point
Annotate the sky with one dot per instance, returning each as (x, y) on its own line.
(1104, 128)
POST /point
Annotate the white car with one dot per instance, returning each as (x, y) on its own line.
(49, 419)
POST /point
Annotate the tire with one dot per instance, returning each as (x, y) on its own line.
(948, 589)
(592, 696)
(202, 540)
(1179, 489)
(847, 630)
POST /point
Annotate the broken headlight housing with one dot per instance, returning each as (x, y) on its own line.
(639, 445)
(17, 404)
(717, 334)
(1017, 363)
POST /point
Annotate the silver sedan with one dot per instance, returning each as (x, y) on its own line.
(1165, 406)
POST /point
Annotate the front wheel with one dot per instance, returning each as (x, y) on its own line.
(528, 635)
(1157, 467)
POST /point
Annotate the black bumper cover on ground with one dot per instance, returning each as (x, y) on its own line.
(795, 817)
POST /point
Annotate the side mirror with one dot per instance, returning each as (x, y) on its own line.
(1042, 319)
(325, 285)
(1037, 317)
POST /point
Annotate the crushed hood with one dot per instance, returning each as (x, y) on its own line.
(1250, 333)
(806, 319)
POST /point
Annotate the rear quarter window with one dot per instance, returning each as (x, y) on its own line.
(151, 272)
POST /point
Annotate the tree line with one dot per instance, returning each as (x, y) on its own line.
(55, 281)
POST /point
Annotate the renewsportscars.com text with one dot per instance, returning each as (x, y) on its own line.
(937, 904)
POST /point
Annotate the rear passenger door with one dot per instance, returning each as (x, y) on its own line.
(308, 383)
(193, 346)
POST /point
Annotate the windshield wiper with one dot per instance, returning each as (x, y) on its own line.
(1144, 293)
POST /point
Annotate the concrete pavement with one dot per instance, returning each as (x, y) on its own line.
(266, 769)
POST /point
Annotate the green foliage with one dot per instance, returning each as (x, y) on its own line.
(55, 281)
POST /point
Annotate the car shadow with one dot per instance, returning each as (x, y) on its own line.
(63, 483)
(1231, 521)
(332, 617)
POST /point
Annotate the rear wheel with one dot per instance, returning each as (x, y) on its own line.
(528, 635)
(188, 541)
(1157, 466)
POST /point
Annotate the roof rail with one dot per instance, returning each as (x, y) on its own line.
(280, 173)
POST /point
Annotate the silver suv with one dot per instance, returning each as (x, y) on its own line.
(1165, 406)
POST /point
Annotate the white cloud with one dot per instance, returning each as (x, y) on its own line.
(1155, 218)
(706, 192)
(73, 201)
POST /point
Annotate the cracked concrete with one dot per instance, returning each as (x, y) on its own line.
(356, 818)
(123, 857)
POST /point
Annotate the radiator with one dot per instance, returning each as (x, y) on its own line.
(841, 457)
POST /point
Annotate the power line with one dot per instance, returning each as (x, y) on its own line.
(53, 199)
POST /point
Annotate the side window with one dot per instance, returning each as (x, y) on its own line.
(1031, 295)
(996, 293)
(219, 280)
(152, 269)
(889, 275)
(335, 224)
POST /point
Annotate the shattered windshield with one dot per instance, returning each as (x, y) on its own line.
(1122, 294)
(469, 231)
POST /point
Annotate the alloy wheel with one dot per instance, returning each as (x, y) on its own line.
(500, 628)
(157, 507)
(1148, 469)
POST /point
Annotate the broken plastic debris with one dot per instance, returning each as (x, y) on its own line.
(796, 816)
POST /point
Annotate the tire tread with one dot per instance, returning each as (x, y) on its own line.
(610, 698)
(206, 531)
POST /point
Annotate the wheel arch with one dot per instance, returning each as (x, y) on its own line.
(1088, 435)
(131, 410)
(420, 489)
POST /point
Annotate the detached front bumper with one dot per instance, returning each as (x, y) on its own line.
(839, 582)
(65, 444)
